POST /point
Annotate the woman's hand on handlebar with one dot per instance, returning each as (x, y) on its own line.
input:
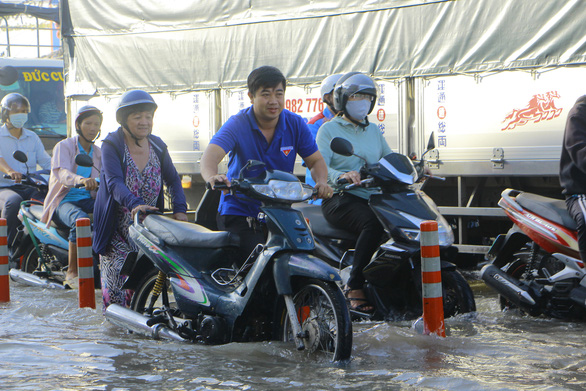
(352, 177)
(89, 184)
(180, 216)
(143, 209)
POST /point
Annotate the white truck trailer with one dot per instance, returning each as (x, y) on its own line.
(493, 79)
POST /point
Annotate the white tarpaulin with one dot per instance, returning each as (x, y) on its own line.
(160, 45)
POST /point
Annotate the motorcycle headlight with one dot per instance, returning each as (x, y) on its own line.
(445, 233)
(284, 190)
(444, 230)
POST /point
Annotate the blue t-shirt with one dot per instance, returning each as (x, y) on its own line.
(75, 194)
(241, 138)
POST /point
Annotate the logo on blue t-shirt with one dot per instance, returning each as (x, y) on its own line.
(286, 150)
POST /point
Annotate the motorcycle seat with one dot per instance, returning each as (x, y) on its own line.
(549, 208)
(37, 212)
(182, 233)
(319, 225)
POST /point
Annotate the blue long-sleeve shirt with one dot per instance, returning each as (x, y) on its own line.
(113, 191)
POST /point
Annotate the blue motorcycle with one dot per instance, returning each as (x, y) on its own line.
(41, 252)
(188, 286)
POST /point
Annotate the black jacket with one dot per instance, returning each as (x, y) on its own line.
(573, 159)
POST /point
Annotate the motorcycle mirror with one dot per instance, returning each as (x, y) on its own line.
(8, 75)
(341, 146)
(84, 160)
(20, 156)
(431, 142)
(252, 169)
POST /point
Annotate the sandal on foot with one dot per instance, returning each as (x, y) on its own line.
(358, 307)
(71, 284)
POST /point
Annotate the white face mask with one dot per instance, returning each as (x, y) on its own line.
(358, 109)
(18, 120)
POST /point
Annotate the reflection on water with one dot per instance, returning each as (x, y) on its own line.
(47, 343)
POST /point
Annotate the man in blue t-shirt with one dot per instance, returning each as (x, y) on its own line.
(265, 132)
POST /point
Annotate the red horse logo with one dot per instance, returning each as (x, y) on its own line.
(540, 108)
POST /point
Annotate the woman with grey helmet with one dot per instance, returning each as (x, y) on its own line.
(14, 136)
(354, 98)
(65, 203)
(135, 166)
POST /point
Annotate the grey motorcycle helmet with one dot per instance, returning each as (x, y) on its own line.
(352, 83)
(11, 99)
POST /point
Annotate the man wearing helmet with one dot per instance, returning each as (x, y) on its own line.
(135, 167)
(265, 132)
(64, 202)
(13, 136)
(354, 98)
(326, 89)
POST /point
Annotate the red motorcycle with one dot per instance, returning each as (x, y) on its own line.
(536, 266)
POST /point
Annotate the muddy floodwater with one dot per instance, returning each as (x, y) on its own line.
(47, 343)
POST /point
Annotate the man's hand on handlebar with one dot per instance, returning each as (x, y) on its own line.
(15, 176)
(219, 178)
(323, 190)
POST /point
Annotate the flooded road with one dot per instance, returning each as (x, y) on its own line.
(47, 343)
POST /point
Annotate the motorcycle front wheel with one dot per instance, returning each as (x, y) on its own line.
(458, 296)
(324, 318)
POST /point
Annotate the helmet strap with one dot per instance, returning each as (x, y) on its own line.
(130, 134)
(85, 138)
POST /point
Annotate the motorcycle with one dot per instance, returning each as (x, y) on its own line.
(536, 266)
(40, 253)
(188, 285)
(393, 276)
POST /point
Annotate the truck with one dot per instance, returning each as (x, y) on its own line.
(491, 80)
(30, 64)
(41, 81)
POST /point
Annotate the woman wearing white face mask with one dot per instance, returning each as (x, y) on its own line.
(354, 98)
(13, 136)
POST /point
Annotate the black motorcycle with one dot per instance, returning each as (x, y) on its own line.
(188, 285)
(393, 277)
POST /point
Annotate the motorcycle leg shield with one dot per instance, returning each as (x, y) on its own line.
(300, 264)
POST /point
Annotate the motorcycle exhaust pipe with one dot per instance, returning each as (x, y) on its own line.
(127, 318)
(32, 280)
(514, 290)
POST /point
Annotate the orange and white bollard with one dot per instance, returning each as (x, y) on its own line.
(85, 264)
(4, 280)
(431, 278)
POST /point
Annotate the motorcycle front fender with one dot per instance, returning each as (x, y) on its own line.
(504, 246)
(287, 265)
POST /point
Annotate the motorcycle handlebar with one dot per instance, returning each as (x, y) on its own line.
(7, 176)
(217, 186)
(363, 182)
